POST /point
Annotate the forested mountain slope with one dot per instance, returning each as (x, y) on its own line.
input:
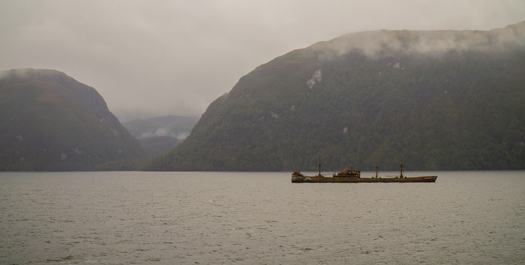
(50, 122)
(441, 100)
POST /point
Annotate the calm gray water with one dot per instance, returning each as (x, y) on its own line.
(259, 218)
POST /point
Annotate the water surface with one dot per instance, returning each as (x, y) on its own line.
(259, 218)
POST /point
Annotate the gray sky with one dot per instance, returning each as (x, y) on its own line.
(175, 57)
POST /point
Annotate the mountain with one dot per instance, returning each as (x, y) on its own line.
(51, 122)
(440, 100)
(159, 135)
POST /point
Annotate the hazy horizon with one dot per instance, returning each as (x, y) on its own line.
(156, 58)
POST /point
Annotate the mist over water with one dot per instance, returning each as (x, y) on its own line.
(259, 218)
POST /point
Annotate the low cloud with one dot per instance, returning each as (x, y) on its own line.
(433, 43)
(176, 57)
(163, 132)
(16, 73)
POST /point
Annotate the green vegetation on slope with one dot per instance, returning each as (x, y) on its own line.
(369, 99)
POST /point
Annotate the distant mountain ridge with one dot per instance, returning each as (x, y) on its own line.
(158, 135)
(441, 100)
(52, 122)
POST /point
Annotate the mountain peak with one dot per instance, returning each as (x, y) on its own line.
(440, 99)
(50, 121)
(32, 73)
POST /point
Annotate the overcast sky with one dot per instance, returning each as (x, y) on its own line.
(175, 57)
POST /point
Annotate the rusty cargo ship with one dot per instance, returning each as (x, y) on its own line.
(354, 176)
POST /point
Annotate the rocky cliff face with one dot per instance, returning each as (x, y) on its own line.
(52, 122)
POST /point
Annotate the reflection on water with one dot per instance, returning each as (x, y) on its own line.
(259, 218)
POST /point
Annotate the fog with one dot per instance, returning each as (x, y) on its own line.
(151, 58)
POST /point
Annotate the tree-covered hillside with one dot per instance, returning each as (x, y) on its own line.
(440, 100)
(51, 122)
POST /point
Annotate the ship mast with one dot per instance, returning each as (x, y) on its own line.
(319, 165)
(401, 168)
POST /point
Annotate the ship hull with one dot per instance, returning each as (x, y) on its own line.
(335, 179)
